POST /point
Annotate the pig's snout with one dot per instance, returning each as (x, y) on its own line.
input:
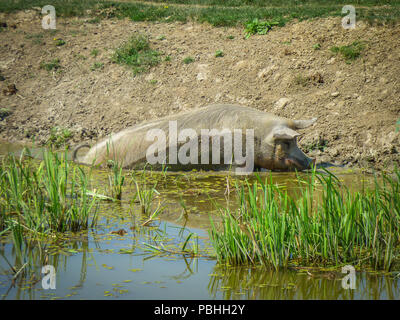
(300, 164)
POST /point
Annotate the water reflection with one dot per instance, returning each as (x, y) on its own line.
(97, 264)
(259, 283)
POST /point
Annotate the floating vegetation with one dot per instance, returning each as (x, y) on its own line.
(272, 228)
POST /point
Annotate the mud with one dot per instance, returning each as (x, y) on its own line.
(357, 104)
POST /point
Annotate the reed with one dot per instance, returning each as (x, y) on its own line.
(326, 225)
(44, 197)
(116, 179)
(144, 195)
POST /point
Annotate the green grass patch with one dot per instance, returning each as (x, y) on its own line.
(269, 3)
(217, 13)
(188, 60)
(59, 42)
(258, 27)
(324, 225)
(137, 54)
(94, 52)
(350, 52)
(219, 54)
(97, 66)
(51, 65)
(317, 46)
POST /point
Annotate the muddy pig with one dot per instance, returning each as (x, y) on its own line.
(183, 142)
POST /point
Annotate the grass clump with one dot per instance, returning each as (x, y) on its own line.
(4, 113)
(219, 53)
(37, 38)
(51, 65)
(326, 225)
(316, 145)
(97, 66)
(137, 54)
(43, 198)
(59, 42)
(317, 46)
(256, 26)
(59, 137)
(95, 52)
(116, 179)
(188, 60)
(301, 80)
(350, 52)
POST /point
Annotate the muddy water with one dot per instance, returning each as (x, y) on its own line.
(99, 264)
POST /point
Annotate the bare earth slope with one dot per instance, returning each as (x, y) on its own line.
(357, 104)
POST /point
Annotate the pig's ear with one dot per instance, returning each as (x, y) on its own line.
(284, 133)
(301, 124)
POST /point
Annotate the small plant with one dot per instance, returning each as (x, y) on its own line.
(116, 180)
(316, 145)
(188, 60)
(4, 112)
(317, 46)
(52, 65)
(153, 81)
(94, 52)
(80, 56)
(301, 80)
(219, 53)
(398, 125)
(59, 42)
(258, 27)
(37, 38)
(161, 37)
(145, 196)
(97, 66)
(94, 20)
(230, 37)
(58, 137)
(168, 58)
(136, 53)
(349, 52)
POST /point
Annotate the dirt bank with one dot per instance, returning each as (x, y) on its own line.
(283, 72)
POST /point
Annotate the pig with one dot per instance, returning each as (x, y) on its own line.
(272, 144)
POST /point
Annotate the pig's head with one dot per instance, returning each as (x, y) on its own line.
(279, 151)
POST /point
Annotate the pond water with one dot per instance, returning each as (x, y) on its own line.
(102, 264)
